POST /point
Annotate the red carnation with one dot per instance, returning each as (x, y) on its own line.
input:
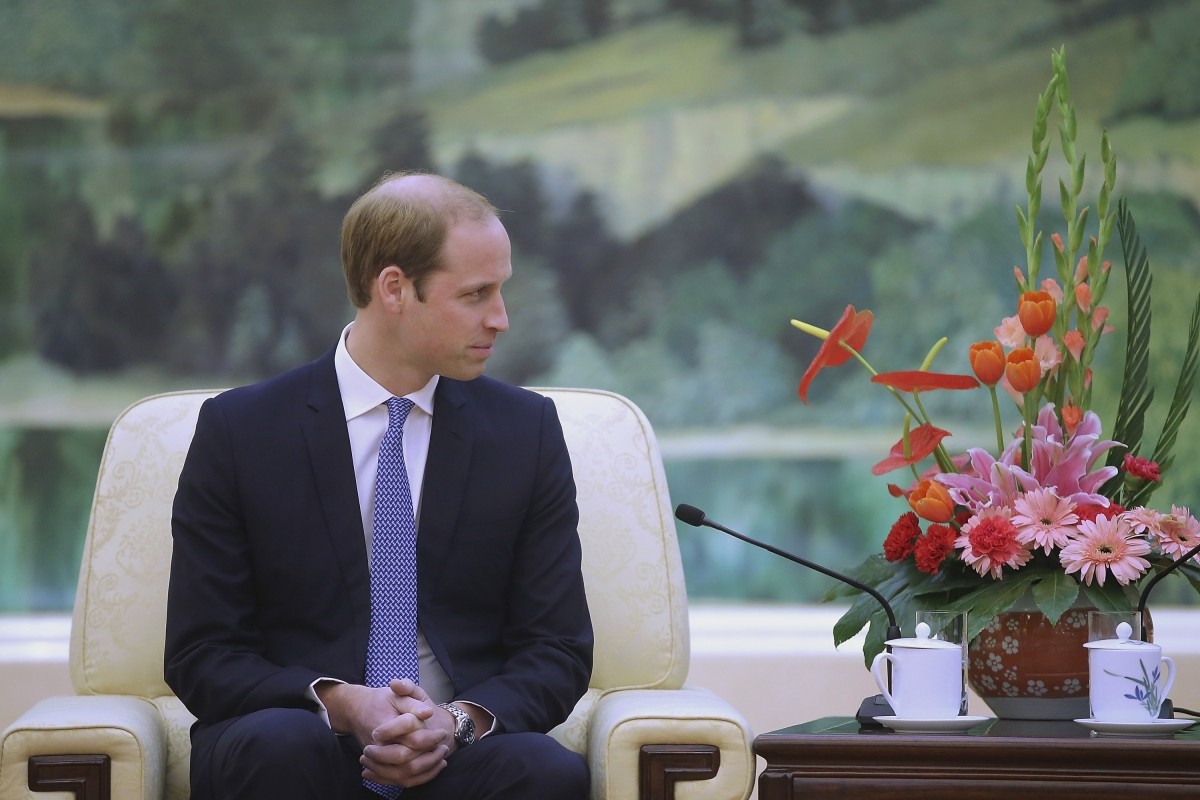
(1142, 468)
(932, 548)
(902, 538)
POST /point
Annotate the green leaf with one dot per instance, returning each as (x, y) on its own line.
(1110, 597)
(1055, 593)
(1180, 404)
(983, 604)
(1136, 393)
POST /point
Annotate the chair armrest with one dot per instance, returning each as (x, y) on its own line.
(626, 722)
(127, 729)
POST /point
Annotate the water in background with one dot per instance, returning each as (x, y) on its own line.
(819, 509)
(828, 510)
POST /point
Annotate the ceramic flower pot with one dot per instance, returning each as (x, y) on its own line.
(1023, 667)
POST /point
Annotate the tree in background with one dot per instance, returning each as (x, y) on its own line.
(549, 25)
(1164, 77)
(99, 305)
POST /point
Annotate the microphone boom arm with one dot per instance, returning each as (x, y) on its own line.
(694, 516)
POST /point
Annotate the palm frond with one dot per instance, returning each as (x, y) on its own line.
(1136, 393)
(1180, 404)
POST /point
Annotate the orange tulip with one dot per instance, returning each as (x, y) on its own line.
(932, 501)
(1036, 312)
(1022, 369)
(987, 361)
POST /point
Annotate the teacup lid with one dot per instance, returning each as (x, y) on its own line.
(1122, 642)
(922, 641)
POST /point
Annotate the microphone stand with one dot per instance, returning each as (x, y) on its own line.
(1168, 709)
(871, 707)
(1141, 606)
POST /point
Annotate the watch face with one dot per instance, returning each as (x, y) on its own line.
(464, 726)
(464, 732)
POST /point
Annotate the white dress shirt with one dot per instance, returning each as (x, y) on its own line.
(365, 404)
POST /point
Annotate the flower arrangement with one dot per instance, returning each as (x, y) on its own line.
(1056, 510)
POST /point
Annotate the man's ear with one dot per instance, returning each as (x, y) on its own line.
(393, 289)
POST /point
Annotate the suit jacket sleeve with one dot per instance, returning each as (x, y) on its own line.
(269, 586)
(512, 627)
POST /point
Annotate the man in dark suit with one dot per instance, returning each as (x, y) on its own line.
(270, 603)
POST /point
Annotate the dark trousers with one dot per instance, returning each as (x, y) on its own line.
(292, 753)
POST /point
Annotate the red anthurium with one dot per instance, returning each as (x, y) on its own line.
(853, 329)
(922, 441)
(919, 380)
(1036, 311)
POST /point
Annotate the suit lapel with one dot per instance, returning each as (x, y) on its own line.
(446, 469)
(333, 472)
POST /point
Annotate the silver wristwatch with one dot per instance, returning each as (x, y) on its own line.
(464, 726)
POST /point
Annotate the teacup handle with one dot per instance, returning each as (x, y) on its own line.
(881, 680)
(1169, 681)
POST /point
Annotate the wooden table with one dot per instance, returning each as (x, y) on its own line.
(1022, 760)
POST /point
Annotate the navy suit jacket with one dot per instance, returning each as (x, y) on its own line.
(270, 587)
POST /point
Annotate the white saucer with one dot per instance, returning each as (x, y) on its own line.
(1157, 727)
(948, 725)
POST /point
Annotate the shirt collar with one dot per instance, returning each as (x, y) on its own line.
(361, 392)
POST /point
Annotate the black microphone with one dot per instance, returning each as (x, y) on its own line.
(872, 707)
(1168, 708)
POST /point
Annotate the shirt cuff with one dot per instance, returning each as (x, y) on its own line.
(321, 710)
(492, 729)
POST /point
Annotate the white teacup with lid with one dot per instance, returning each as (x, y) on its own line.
(927, 680)
(1127, 682)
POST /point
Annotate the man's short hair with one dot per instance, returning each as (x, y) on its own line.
(403, 220)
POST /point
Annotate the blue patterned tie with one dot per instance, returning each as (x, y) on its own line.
(392, 645)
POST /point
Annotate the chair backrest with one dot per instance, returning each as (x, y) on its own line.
(632, 567)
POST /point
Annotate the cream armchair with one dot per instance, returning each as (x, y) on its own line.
(124, 735)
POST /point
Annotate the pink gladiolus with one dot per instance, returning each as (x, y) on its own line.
(1081, 270)
(1083, 296)
(1057, 239)
(1051, 287)
(1010, 333)
(1073, 340)
(1046, 351)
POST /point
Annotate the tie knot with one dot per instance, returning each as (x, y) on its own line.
(398, 408)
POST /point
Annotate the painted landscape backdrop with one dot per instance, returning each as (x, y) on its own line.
(679, 178)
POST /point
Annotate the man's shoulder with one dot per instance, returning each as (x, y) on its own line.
(491, 391)
(295, 388)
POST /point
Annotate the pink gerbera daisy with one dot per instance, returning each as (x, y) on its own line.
(1178, 532)
(1103, 546)
(989, 542)
(1145, 520)
(1043, 519)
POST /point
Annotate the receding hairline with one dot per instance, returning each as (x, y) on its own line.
(452, 200)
